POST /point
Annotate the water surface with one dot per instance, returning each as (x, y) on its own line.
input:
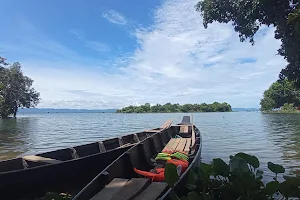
(271, 137)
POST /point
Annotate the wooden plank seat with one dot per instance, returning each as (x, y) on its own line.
(184, 129)
(169, 145)
(113, 187)
(34, 158)
(178, 145)
(153, 191)
(131, 189)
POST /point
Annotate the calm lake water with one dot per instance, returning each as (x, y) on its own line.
(271, 137)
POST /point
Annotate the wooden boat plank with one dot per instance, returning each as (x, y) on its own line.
(153, 191)
(169, 145)
(167, 124)
(175, 144)
(193, 138)
(113, 187)
(181, 145)
(153, 131)
(184, 129)
(34, 158)
(187, 146)
(131, 189)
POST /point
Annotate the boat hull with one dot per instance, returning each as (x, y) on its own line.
(139, 157)
(69, 176)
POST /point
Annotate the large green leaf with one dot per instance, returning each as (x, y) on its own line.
(204, 171)
(276, 168)
(290, 187)
(171, 175)
(252, 160)
(238, 164)
(192, 176)
(272, 187)
(220, 167)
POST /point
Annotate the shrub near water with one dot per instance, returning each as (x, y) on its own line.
(240, 179)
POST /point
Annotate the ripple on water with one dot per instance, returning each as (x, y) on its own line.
(271, 137)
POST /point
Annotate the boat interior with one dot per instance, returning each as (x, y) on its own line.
(139, 172)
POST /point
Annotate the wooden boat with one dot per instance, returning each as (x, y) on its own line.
(64, 170)
(137, 175)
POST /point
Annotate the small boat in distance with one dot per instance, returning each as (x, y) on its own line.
(139, 172)
(65, 170)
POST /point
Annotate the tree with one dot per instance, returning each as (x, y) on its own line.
(15, 90)
(247, 16)
(168, 107)
(280, 93)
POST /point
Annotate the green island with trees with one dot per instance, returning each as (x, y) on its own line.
(16, 90)
(173, 108)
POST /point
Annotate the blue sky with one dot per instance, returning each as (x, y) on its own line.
(109, 54)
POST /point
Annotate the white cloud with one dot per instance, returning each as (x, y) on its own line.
(114, 17)
(177, 60)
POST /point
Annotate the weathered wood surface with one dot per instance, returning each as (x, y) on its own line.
(181, 145)
(166, 125)
(113, 187)
(34, 158)
(153, 191)
(184, 129)
(187, 146)
(169, 145)
(175, 144)
(131, 189)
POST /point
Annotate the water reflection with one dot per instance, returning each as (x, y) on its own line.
(11, 136)
(284, 132)
(273, 137)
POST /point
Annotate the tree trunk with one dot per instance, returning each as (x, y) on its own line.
(15, 109)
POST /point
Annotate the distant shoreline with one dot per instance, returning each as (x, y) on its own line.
(54, 110)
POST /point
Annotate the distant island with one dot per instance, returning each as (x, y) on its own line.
(173, 108)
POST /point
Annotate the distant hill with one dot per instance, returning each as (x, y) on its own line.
(245, 109)
(53, 110)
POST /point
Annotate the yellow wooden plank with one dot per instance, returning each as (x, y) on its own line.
(181, 145)
(169, 145)
(167, 124)
(175, 144)
(184, 129)
(187, 146)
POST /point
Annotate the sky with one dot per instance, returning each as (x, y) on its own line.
(109, 54)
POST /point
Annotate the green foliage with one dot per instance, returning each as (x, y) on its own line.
(281, 93)
(276, 168)
(171, 174)
(247, 16)
(171, 108)
(15, 90)
(240, 179)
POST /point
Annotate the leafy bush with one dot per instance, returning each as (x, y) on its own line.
(240, 179)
